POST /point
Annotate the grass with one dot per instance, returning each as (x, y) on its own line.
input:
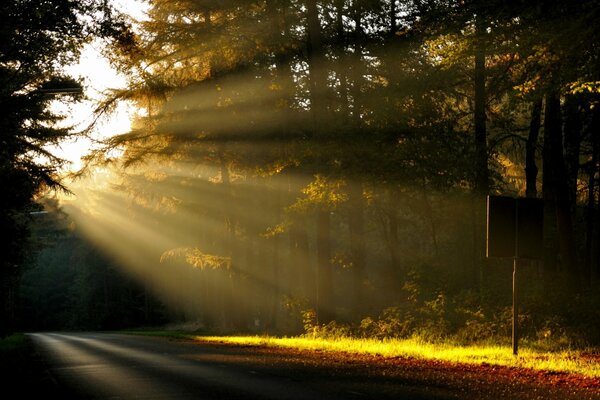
(20, 370)
(15, 353)
(574, 362)
(12, 344)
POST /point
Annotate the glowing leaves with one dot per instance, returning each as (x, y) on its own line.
(276, 230)
(528, 86)
(447, 51)
(155, 176)
(196, 258)
(165, 204)
(580, 87)
(342, 260)
(323, 193)
(533, 68)
(326, 191)
(276, 167)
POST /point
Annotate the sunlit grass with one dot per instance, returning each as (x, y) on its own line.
(562, 361)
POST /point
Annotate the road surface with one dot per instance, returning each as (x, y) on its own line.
(117, 366)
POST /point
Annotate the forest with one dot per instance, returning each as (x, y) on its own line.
(309, 166)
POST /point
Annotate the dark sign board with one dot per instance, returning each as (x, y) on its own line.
(501, 226)
(515, 227)
(530, 228)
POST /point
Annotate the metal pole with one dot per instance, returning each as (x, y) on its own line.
(515, 321)
(515, 316)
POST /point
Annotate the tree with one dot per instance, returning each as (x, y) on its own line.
(37, 39)
(357, 130)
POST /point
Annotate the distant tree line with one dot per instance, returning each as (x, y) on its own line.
(70, 283)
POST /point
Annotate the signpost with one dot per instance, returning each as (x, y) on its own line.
(515, 230)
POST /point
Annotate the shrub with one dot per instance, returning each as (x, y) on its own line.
(476, 328)
(392, 323)
(331, 330)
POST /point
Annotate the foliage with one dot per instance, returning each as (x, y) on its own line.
(391, 324)
(196, 258)
(331, 329)
(70, 284)
(36, 41)
(322, 193)
(340, 153)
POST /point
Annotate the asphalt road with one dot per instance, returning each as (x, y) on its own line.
(118, 366)
(115, 366)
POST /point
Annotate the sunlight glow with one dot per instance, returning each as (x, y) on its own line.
(98, 76)
(242, 207)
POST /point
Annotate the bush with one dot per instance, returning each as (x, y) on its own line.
(476, 328)
(331, 330)
(392, 323)
(551, 317)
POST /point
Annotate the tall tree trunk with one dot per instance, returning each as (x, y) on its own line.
(302, 276)
(277, 271)
(432, 226)
(275, 264)
(531, 169)
(357, 65)
(284, 77)
(229, 316)
(393, 244)
(572, 140)
(481, 149)
(342, 62)
(251, 288)
(308, 278)
(559, 182)
(295, 285)
(595, 258)
(591, 212)
(325, 306)
(475, 272)
(481, 185)
(393, 22)
(316, 61)
(390, 226)
(318, 88)
(549, 190)
(357, 246)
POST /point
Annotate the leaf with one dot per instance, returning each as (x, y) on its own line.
(196, 258)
